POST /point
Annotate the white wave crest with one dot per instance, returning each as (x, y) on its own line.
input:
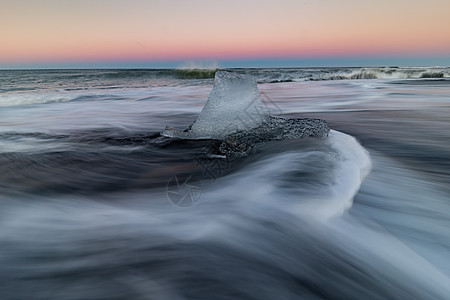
(11, 100)
(385, 73)
(333, 173)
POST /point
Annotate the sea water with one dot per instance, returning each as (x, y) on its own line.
(95, 204)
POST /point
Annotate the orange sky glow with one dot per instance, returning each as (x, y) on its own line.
(95, 30)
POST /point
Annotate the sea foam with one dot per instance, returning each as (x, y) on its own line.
(29, 99)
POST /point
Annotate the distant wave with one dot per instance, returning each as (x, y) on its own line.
(26, 87)
(386, 73)
(195, 73)
(287, 75)
(319, 74)
(9, 100)
(161, 73)
(22, 99)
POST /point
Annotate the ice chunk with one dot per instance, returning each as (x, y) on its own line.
(233, 105)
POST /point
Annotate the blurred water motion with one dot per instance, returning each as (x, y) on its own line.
(85, 212)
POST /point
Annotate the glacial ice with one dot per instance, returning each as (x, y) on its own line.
(233, 105)
(235, 115)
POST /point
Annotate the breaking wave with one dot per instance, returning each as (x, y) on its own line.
(182, 73)
(386, 73)
(321, 74)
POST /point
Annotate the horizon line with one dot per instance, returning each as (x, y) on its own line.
(419, 61)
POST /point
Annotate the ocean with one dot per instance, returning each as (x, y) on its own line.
(97, 204)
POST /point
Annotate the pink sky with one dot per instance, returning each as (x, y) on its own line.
(96, 30)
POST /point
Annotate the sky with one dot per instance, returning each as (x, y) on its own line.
(233, 33)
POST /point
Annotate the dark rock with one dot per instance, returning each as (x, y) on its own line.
(240, 143)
